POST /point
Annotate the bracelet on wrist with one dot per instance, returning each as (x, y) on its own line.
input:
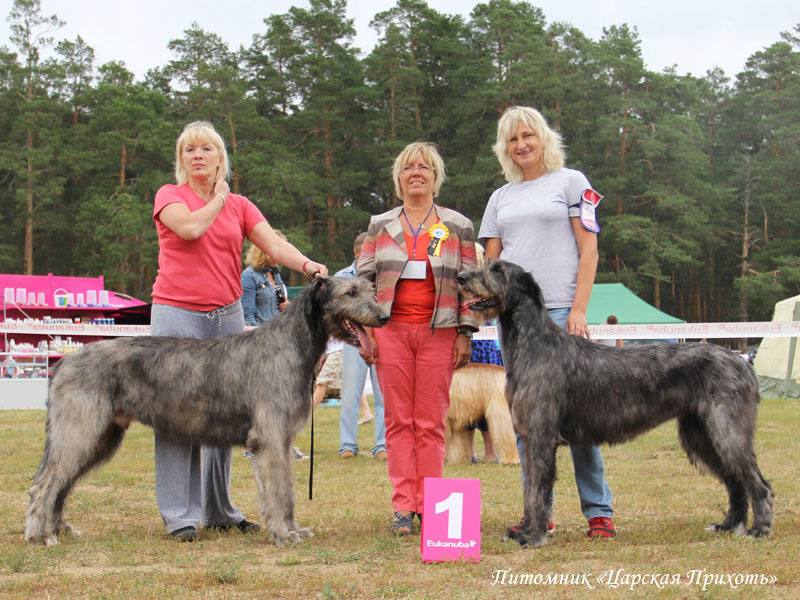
(223, 199)
(303, 268)
(465, 332)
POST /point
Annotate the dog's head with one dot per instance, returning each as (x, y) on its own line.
(346, 306)
(496, 287)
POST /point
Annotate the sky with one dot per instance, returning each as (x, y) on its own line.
(692, 35)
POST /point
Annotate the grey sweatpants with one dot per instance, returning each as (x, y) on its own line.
(193, 481)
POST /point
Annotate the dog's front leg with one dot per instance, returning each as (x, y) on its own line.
(539, 474)
(275, 482)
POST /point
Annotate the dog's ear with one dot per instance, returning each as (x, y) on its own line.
(319, 283)
(535, 291)
(313, 296)
(321, 288)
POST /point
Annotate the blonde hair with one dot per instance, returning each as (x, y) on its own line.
(430, 154)
(257, 258)
(198, 132)
(553, 155)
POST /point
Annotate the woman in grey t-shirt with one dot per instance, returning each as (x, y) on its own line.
(543, 220)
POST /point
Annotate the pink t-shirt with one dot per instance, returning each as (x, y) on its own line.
(205, 273)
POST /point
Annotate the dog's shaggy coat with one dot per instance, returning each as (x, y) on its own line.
(478, 391)
(251, 389)
(563, 387)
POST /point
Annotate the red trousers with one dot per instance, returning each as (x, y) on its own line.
(415, 368)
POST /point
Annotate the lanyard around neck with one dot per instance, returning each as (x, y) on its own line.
(416, 233)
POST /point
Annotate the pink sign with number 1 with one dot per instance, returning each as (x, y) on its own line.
(451, 523)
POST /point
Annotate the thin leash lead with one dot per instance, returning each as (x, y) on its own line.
(311, 451)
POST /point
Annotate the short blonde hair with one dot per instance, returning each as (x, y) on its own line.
(430, 154)
(553, 155)
(258, 259)
(196, 132)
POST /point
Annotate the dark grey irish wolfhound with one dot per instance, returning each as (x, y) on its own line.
(562, 387)
(251, 389)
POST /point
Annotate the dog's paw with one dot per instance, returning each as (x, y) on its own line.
(759, 532)
(294, 537)
(287, 537)
(279, 537)
(304, 533)
(738, 529)
(44, 539)
(525, 540)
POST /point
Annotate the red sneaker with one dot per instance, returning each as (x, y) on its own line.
(601, 527)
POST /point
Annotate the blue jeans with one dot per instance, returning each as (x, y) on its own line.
(354, 373)
(587, 461)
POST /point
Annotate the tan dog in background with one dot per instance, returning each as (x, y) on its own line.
(477, 391)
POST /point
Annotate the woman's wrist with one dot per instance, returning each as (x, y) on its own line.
(303, 268)
(223, 198)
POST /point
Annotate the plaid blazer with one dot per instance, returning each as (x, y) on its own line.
(384, 255)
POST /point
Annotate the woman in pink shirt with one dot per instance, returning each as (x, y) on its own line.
(201, 229)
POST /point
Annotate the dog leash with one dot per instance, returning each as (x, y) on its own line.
(314, 275)
(311, 451)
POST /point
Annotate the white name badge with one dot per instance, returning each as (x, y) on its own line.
(415, 269)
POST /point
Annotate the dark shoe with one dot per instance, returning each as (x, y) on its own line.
(244, 526)
(185, 534)
(601, 527)
(403, 524)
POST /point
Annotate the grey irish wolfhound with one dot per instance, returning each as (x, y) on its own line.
(565, 388)
(251, 389)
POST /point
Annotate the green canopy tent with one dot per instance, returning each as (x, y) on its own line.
(615, 299)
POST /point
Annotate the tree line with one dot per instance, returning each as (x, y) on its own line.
(701, 175)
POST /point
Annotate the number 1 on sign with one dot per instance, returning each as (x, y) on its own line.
(454, 505)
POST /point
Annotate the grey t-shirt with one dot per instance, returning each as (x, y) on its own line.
(532, 220)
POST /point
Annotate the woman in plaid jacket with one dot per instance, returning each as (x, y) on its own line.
(413, 253)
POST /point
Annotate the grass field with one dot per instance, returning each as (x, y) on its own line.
(662, 507)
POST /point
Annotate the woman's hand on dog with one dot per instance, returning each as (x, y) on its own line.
(462, 351)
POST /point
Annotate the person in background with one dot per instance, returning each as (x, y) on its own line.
(329, 376)
(366, 412)
(201, 228)
(611, 320)
(413, 253)
(354, 373)
(544, 220)
(264, 294)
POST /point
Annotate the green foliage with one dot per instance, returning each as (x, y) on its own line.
(700, 174)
